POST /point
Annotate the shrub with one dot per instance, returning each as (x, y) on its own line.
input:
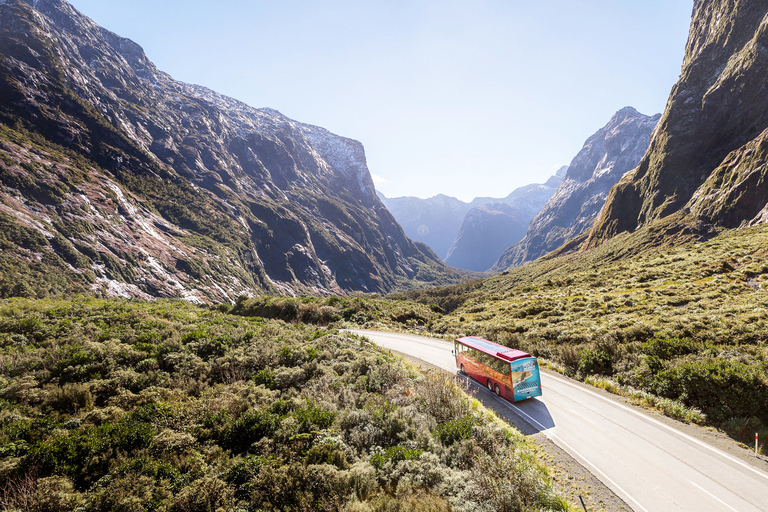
(451, 431)
(668, 348)
(310, 417)
(395, 454)
(595, 360)
(300, 487)
(265, 377)
(249, 428)
(720, 388)
(327, 454)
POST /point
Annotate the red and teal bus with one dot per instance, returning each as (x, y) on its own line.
(510, 373)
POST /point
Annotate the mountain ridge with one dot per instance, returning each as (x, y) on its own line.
(606, 156)
(439, 220)
(699, 154)
(239, 200)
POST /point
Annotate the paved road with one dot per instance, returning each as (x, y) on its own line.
(649, 463)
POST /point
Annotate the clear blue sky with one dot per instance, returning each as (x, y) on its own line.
(465, 98)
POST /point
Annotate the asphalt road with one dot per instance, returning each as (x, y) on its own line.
(651, 464)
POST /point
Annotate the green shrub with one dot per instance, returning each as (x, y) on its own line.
(667, 348)
(595, 360)
(328, 453)
(249, 428)
(720, 388)
(265, 377)
(448, 432)
(311, 418)
(395, 454)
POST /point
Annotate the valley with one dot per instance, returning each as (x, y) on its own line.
(189, 287)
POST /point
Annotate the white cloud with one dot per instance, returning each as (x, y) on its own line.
(378, 180)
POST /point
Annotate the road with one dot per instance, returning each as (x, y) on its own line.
(649, 463)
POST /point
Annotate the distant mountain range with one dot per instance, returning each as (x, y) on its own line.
(471, 235)
(115, 177)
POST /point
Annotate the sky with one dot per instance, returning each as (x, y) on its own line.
(457, 97)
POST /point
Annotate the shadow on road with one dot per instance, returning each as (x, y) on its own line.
(529, 416)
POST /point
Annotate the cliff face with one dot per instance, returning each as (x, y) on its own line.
(704, 156)
(135, 184)
(612, 151)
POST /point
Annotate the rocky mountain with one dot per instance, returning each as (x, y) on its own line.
(117, 178)
(707, 157)
(612, 151)
(485, 233)
(439, 220)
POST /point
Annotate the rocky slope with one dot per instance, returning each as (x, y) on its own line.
(612, 151)
(707, 155)
(117, 178)
(440, 220)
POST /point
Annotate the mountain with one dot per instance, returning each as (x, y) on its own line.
(706, 160)
(433, 221)
(485, 233)
(437, 221)
(612, 151)
(117, 178)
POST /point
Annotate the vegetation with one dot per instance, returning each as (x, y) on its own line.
(126, 405)
(684, 329)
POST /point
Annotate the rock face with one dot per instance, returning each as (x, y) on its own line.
(485, 233)
(471, 234)
(612, 151)
(708, 154)
(116, 177)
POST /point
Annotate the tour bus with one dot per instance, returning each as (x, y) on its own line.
(510, 373)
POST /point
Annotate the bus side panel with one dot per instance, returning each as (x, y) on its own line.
(472, 368)
(526, 380)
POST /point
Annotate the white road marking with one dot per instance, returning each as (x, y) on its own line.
(666, 427)
(582, 416)
(715, 497)
(575, 453)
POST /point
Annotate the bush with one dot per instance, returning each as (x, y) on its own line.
(394, 454)
(595, 360)
(720, 388)
(451, 431)
(668, 348)
(249, 428)
(311, 418)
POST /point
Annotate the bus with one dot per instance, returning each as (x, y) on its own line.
(510, 373)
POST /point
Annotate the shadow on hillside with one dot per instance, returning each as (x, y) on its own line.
(529, 416)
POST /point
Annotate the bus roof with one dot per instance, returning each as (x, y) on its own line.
(494, 349)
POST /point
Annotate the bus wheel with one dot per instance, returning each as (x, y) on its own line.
(490, 385)
(498, 391)
(462, 370)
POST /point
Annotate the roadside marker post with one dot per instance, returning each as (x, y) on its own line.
(755, 444)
